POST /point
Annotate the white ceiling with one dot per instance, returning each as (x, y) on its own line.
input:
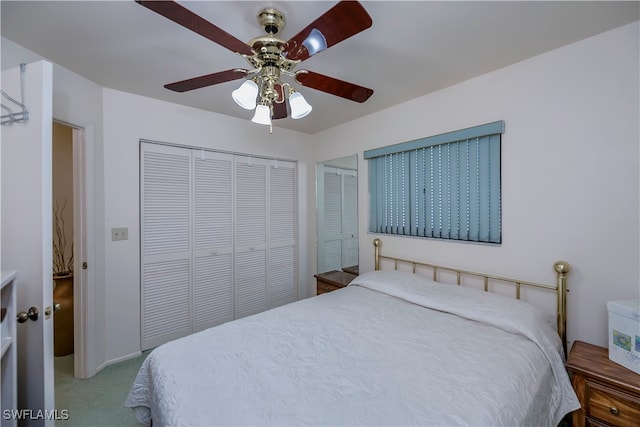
(413, 47)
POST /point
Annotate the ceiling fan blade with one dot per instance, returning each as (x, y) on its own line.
(190, 20)
(333, 86)
(342, 21)
(207, 80)
(279, 108)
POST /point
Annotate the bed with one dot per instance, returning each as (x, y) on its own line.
(395, 347)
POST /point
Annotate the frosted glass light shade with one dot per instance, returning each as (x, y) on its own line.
(299, 106)
(315, 42)
(245, 95)
(262, 115)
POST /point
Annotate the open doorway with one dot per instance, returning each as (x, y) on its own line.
(63, 235)
(68, 223)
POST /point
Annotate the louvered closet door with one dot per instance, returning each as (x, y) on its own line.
(282, 275)
(213, 239)
(250, 236)
(166, 243)
(350, 219)
(332, 220)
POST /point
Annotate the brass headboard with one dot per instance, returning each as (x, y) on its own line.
(562, 269)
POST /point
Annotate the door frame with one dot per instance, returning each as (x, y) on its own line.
(83, 278)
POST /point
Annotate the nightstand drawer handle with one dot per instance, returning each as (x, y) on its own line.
(614, 410)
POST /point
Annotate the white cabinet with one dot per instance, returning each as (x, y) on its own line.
(218, 238)
(8, 373)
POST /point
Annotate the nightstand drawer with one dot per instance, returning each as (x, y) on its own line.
(611, 406)
(332, 280)
(324, 287)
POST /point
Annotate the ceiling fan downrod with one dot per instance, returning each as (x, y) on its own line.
(271, 20)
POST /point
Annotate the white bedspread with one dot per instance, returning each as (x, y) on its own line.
(369, 354)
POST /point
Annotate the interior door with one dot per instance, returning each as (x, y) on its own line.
(250, 236)
(282, 275)
(213, 238)
(26, 233)
(166, 240)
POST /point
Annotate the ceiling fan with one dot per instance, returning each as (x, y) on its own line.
(272, 58)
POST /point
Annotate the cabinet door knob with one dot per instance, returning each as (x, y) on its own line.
(614, 410)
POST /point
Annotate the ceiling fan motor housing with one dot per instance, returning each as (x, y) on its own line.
(271, 20)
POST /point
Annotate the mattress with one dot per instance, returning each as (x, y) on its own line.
(392, 348)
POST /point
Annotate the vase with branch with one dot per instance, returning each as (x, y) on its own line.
(62, 258)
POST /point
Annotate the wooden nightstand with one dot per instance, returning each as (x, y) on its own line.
(609, 393)
(332, 280)
(353, 269)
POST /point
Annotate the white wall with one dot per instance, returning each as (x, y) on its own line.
(570, 170)
(129, 118)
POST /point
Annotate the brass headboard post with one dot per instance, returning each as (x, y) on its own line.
(376, 253)
(562, 269)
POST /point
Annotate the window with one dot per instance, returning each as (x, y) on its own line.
(445, 186)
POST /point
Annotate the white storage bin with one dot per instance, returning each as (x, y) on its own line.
(624, 333)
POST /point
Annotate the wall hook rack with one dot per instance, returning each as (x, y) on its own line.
(12, 117)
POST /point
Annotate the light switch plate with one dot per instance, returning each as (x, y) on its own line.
(121, 233)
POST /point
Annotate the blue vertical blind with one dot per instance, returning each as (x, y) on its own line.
(445, 186)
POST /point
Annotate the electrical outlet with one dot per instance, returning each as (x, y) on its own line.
(121, 233)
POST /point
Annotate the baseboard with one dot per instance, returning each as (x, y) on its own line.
(119, 359)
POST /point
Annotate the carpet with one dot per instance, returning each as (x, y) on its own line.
(97, 401)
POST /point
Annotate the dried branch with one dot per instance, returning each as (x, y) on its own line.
(62, 264)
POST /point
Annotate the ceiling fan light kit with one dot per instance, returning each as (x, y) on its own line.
(245, 95)
(271, 58)
(315, 42)
(262, 115)
(299, 106)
